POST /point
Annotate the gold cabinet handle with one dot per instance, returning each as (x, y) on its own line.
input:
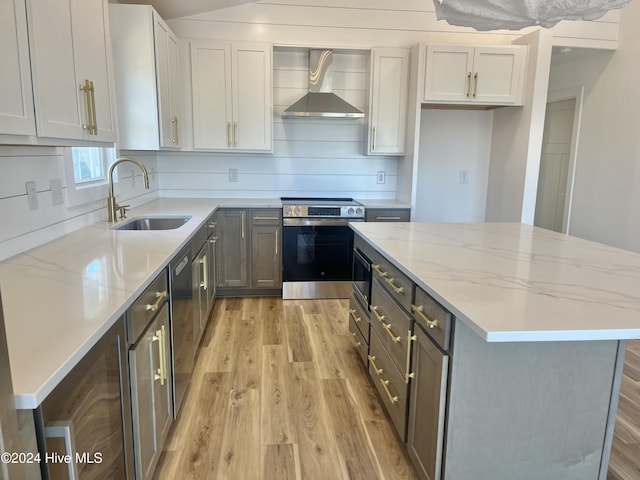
(84, 88)
(385, 384)
(385, 217)
(419, 309)
(373, 146)
(160, 373)
(174, 129)
(387, 328)
(242, 215)
(164, 354)
(205, 277)
(213, 224)
(229, 134)
(372, 360)
(475, 88)
(410, 338)
(356, 343)
(94, 121)
(396, 288)
(374, 309)
(352, 312)
(276, 241)
(379, 270)
(257, 217)
(160, 297)
(235, 134)
(468, 84)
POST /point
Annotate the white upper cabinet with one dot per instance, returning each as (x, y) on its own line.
(145, 55)
(70, 62)
(474, 75)
(388, 101)
(231, 87)
(16, 98)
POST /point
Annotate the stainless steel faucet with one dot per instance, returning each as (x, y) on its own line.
(112, 206)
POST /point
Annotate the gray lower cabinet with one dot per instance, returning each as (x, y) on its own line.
(266, 259)
(427, 400)
(151, 377)
(388, 215)
(233, 248)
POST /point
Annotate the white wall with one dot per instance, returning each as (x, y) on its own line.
(23, 228)
(606, 200)
(311, 157)
(451, 141)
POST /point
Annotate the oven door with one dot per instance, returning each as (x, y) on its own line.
(362, 278)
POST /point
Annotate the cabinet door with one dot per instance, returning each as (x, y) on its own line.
(497, 74)
(163, 394)
(232, 248)
(388, 102)
(211, 87)
(448, 74)
(16, 95)
(266, 263)
(252, 108)
(166, 53)
(427, 407)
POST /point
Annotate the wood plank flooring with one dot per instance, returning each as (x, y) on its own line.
(279, 393)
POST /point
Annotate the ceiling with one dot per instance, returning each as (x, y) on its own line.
(169, 9)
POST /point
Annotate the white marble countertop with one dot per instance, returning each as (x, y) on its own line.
(61, 297)
(518, 283)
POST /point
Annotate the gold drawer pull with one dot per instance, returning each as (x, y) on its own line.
(372, 360)
(396, 288)
(387, 328)
(374, 309)
(155, 306)
(266, 218)
(356, 343)
(419, 309)
(387, 217)
(352, 311)
(410, 338)
(385, 384)
(377, 268)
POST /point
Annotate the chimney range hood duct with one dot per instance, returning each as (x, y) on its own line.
(321, 101)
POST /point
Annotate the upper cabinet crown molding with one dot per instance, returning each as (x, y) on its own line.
(481, 75)
(388, 90)
(232, 97)
(71, 63)
(16, 97)
(145, 55)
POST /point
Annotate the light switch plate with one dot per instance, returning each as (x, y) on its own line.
(380, 176)
(32, 195)
(464, 176)
(233, 174)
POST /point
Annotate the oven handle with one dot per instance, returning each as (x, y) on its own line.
(306, 222)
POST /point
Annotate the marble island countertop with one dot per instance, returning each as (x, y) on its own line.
(518, 283)
(61, 297)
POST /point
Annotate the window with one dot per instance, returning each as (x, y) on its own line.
(86, 173)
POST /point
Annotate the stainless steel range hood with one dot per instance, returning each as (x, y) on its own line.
(321, 101)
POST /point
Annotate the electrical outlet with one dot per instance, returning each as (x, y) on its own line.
(56, 191)
(381, 176)
(32, 195)
(233, 174)
(464, 176)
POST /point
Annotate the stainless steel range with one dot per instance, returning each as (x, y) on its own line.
(317, 246)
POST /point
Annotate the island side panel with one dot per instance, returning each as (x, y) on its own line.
(528, 410)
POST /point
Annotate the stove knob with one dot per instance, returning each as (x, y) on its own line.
(297, 211)
(288, 212)
(350, 211)
(359, 211)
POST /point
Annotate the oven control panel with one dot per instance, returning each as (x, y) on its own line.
(308, 211)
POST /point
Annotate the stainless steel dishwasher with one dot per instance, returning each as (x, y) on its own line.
(182, 350)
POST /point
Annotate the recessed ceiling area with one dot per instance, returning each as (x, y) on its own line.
(169, 9)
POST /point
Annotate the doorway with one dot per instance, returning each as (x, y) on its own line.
(558, 160)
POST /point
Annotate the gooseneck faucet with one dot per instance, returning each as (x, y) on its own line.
(112, 206)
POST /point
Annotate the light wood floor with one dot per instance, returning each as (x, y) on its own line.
(279, 393)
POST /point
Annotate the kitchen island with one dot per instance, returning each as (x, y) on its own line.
(537, 345)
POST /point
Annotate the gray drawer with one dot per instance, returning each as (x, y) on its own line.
(435, 319)
(198, 240)
(395, 282)
(212, 225)
(359, 341)
(392, 325)
(146, 306)
(389, 383)
(388, 215)
(266, 216)
(359, 317)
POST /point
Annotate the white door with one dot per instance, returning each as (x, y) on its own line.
(554, 165)
(448, 73)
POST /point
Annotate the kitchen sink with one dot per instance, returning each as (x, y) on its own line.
(153, 223)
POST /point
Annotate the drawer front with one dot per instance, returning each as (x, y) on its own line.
(360, 243)
(388, 214)
(435, 319)
(198, 240)
(266, 216)
(146, 306)
(358, 340)
(358, 316)
(212, 225)
(389, 383)
(396, 283)
(392, 325)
